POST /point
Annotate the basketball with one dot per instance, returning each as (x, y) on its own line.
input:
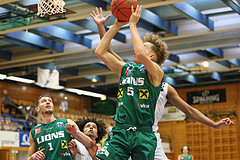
(121, 9)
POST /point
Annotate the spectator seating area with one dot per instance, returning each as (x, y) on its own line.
(28, 118)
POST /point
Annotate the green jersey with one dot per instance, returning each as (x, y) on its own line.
(54, 138)
(188, 157)
(137, 97)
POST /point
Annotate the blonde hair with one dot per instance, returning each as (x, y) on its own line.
(159, 47)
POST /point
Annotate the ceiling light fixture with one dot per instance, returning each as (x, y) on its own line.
(94, 79)
(2, 76)
(18, 79)
(87, 93)
(205, 64)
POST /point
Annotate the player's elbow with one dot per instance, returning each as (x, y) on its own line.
(99, 52)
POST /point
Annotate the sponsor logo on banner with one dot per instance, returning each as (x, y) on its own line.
(24, 140)
(9, 139)
(206, 96)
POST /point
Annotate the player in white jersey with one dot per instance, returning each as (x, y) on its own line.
(168, 93)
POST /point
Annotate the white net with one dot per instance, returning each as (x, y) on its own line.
(50, 7)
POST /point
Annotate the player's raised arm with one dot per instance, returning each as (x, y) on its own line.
(193, 113)
(144, 52)
(100, 21)
(102, 49)
(73, 129)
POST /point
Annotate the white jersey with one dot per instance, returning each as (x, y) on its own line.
(162, 100)
(82, 153)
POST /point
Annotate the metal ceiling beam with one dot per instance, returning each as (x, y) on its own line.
(65, 34)
(113, 79)
(85, 10)
(232, 5)
(174, 58)
(192, 12)
(97, 78)
(215, 51)
(169, 40)
(97, 3)
(225, 63)
(20, 43)
(235, 62)
(142, 23)
(17, 9)
(216, 76)
(203, 53)
(119, 36)
(72, 71)
(168, 70)
(191, 79)
(91, 25)
(88, 71)
(109, 79)
(7, 1)
(170, 80)
(37, 40)
(5, 55)
(157, 21)
(27, 63)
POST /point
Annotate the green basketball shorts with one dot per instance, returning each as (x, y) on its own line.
(127, 140)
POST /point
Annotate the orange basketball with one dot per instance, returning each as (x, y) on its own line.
(121, 9)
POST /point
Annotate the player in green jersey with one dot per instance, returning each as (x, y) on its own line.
(139, 88)
(168, 93)
(185, 155)
(49, 140)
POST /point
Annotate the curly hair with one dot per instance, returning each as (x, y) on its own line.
(159, 47)
(101, 126)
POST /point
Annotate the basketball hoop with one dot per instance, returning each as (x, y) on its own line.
(50, 7)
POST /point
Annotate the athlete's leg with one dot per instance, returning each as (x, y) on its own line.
(144, 146)
(116, 146)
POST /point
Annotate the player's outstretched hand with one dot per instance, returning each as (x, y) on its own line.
(135, 15)
(70, 128)
(39, 155)
(98, 16)
(223, 122)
